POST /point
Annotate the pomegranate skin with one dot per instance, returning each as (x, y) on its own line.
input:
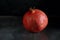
(35, 21)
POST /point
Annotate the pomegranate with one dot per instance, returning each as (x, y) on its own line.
(35, 20)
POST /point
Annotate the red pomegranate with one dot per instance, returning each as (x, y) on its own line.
(35, 20)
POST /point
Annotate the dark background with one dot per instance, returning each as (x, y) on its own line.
(12, 11)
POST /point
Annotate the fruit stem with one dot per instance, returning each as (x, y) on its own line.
(32, 10)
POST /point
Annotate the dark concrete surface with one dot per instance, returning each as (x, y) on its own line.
(11, 28)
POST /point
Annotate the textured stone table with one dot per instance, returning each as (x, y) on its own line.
(11, 28)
